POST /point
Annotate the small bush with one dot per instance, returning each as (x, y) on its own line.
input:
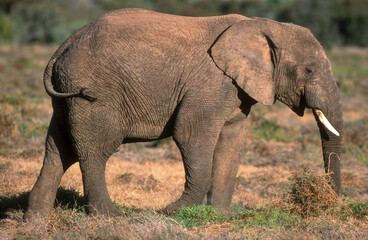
(199, 215)
(311, 195)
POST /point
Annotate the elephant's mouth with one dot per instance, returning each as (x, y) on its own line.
(301, 107)
(322, 118)
(298, 105)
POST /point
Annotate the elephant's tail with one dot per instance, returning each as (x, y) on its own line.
(83, 93)
(47, 76)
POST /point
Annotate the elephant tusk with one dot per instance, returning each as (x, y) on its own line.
(325, 122)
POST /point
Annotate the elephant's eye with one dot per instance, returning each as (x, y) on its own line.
(308, 71)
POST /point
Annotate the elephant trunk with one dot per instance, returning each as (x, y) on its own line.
(332, 149)
(331, 137)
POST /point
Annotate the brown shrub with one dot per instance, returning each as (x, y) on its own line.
(311, 195)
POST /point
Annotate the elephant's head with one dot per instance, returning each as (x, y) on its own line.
(278, 61)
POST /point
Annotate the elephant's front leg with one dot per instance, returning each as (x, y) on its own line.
(226, 163)
(196, 138)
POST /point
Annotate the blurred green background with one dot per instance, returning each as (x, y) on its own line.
(333, 22)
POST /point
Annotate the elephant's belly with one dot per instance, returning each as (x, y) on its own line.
(141, 132)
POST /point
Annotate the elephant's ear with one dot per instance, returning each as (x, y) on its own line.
(247, 54)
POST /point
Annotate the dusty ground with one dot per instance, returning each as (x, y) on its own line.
(150, 176)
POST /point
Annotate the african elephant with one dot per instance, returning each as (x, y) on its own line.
(137, 75)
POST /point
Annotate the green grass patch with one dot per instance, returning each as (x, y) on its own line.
(127, 210)
(199, 215)
(268, 216)
(269, 129)
(359, 209)
(362, 158)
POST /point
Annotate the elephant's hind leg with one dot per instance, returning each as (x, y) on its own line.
(58, 158)
(94, 183)
(95, 140)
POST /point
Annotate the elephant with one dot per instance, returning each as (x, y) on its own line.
(136, 75)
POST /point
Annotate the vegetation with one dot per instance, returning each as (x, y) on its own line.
(269, 216)
(69, 218)
(199, 215)
(311, 195)
(359, 209)
(332, 21)
(269, 129)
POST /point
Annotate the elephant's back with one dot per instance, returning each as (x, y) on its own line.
(140, 25)
(141, 39)
(146, 34)
(136, 46)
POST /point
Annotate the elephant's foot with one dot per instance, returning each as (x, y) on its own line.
(41, 200)
(102, 208)
(29, 215)
(36, 210)
(174, 207)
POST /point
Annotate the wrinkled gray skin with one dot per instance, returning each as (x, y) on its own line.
(135, 75)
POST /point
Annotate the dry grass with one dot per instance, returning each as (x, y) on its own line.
(70, 224)
(311, 195)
